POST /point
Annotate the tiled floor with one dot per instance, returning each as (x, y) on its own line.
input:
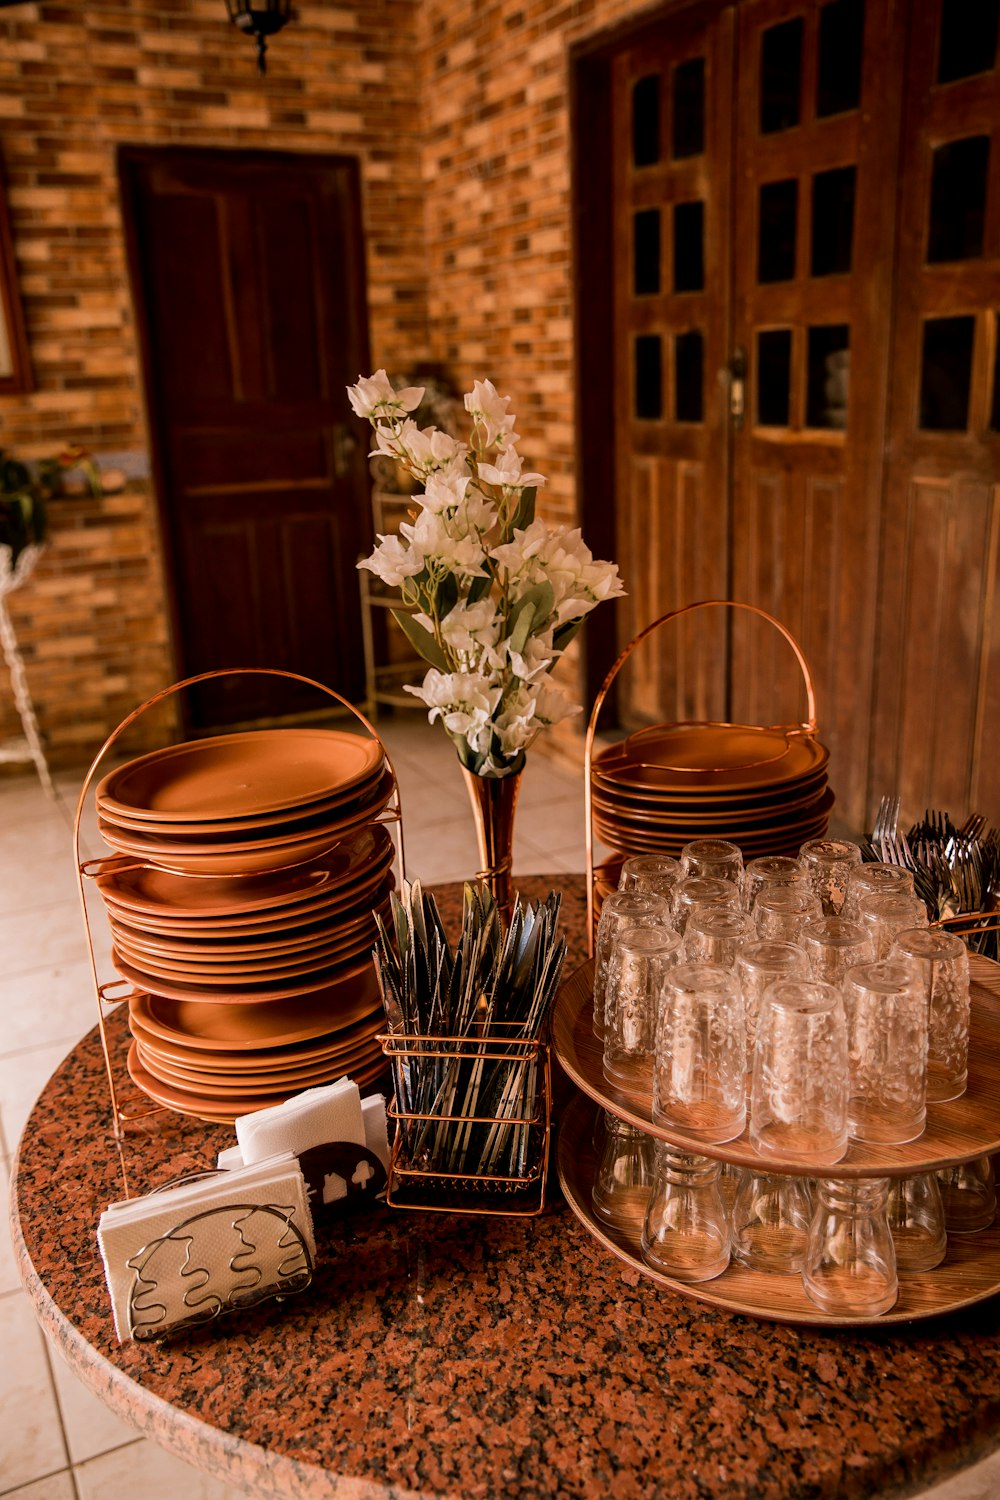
(57, 1441)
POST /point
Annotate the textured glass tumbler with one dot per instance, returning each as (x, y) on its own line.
(916, 1222)
(656, 873)
(641, 958)
(703, 890)
(622, 909)
(833, 945)
(886, 915)
(874, 879)
(770, 870)
(624, 1177)
(781, 911)
(685, 1234)
(758, 963)
(887, 1052)
(716, 857)
(715, 935)
(828, 864)
(798, 1093)
(942, 961)
(969, 1196)
(770, 1222)
(699, 1071)
(850, 1264)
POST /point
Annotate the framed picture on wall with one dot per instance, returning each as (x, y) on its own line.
(15, 368)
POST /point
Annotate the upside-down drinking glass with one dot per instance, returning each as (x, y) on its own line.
(799, 1089)
(619, 910)
(699, 1071)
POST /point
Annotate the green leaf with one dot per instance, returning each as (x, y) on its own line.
(420, 639)
(524, 620)
(565, 633)
(478, 589)
(525, 513)
(531, 611)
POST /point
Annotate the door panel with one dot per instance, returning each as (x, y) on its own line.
(247, 270)
(672, 249)
(937, 712)
(812, 297)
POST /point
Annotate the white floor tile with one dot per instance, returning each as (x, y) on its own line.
(31, 1442)
(48, 1005)
(142, 1469)
(23, 1075)
(10, 1281)
(52, 1487)
(90, 1426)
(50, 934)
(980, 1482)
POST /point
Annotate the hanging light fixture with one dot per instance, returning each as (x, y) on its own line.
(260, 19)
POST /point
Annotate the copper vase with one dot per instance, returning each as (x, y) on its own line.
(493, 800)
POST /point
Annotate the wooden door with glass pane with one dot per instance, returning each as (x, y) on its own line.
(670, 111)
(816, 102)
(937, 706)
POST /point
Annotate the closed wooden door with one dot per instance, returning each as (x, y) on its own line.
(247, 273)
(805, 265)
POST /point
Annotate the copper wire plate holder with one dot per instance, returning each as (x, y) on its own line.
(435, 1191)
(110, 993)
(806, 727)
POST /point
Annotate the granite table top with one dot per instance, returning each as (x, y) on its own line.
(449, 1356)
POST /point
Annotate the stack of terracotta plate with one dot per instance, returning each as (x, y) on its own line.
(763, 789)
(242, 910)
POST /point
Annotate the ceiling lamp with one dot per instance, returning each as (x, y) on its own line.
(261, 19)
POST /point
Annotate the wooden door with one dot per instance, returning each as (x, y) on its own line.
(937, 708)
(247, 273)
(816, 102)
(672, 259)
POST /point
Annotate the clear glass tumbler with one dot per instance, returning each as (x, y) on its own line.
(716, 857)
(703, 890)
(781, 911)
(850, 1266)
(887, 1052)
(770, 1222)
(685, 1234)
(699, 1071)
(828, 864)
(798, 1093)
(942, 961)
(624, 1177)
(758, 963)
(622, 909)
(715, 935)
(770, 870)
(969, 1195)
(833, 945)
(658, 873)
(874, 879)
(916, 1221)
(641, 958)
(886, 915)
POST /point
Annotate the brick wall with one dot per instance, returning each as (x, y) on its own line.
(459, 115)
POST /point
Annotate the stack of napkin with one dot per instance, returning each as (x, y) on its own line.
(210, 1245)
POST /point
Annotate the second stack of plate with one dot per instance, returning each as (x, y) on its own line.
(763, 789)
(241, 908)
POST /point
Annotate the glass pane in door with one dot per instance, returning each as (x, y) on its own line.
(689, 108)
(646, 121)
(780, 76)
(774, 376)
(839, 59)
(776, 229)
(958, 199)
(946, 374)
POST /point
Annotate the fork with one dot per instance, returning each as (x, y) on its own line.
(886, 821)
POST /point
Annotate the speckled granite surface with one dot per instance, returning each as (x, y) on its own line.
(445, 1356)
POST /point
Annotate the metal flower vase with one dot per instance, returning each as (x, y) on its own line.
(494, 800)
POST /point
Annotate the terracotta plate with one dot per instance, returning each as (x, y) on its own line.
(703, 825)
(248, 1027)
(269, 945)
(207, 1105)
(307, 1076)
(277, 967)
(678, 757)
(240, 775)
(195, 1065)
(187, 1052)
(167, 894)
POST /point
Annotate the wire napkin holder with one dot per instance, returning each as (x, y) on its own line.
(457, 1156)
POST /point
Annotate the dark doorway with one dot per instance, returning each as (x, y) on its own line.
(247, 272)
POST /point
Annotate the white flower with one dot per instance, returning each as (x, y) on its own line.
(489, 411)
(506, 472)
(422, 450)
(374, 397)
(537, 656)
(465, 703)
(469, 627)
(552, 706)
(392, 562)
(444, 491)
(560, 557)
(449, 546)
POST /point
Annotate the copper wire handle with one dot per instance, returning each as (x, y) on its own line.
(88, 868)
(806, 727)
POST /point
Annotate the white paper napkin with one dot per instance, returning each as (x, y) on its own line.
(329, 1113)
